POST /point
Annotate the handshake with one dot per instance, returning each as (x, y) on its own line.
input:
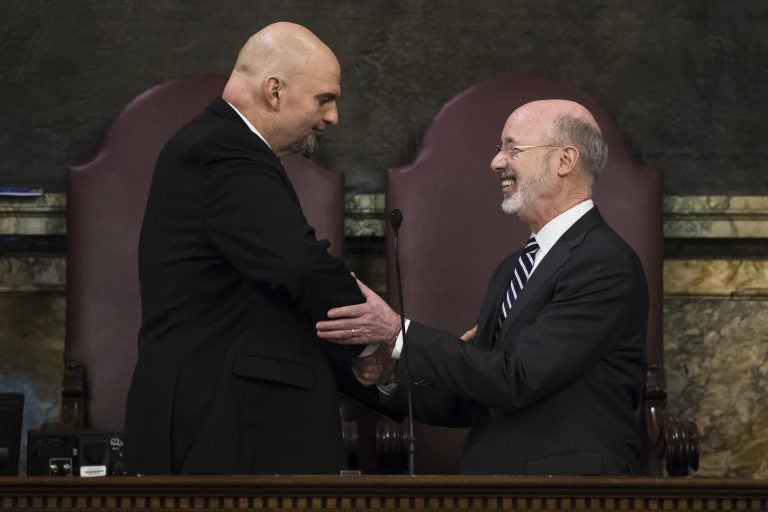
(375, 324)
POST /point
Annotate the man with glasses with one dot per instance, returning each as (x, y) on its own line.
(550, 378)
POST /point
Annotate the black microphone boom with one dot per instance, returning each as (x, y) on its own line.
(396, 220)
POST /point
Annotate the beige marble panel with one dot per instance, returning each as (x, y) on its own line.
(44, 204)
(42, 215)
(364, 215)
(364, 203)
(734, 205)
(32, 274)
(716, 217)
(684, 216)
(716, 277)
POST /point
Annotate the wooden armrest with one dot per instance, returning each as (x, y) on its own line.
(676, 442)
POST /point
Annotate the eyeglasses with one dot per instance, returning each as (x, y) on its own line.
(513, 150)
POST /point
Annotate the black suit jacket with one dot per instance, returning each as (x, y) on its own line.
(230, 376)
(557, 391)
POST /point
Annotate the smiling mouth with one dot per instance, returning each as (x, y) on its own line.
(508, 181)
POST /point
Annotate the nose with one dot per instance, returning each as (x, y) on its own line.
(499, 162)
(331, 114)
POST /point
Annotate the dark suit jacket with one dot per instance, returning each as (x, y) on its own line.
(557, 392)
(230, 376)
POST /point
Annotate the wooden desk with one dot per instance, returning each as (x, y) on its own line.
(380, 493)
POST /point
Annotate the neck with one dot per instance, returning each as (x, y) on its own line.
(238, 93)
(541, 214)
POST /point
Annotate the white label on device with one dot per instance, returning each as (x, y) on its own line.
(89, 471)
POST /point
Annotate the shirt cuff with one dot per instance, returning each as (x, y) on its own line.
(399, 342)
(370, 349)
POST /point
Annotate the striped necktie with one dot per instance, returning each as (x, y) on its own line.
(519, 278)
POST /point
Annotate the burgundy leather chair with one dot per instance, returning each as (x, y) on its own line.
(454, 234)
(105, 206)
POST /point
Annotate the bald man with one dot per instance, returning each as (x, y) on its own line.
(231, 377)
(554, 370)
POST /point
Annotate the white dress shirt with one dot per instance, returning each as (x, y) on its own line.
(249, 125)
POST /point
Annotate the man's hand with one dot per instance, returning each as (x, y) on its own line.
(470, 335)
(369, 323)
(376, 368)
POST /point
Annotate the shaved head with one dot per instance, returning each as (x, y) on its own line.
(282, 47)
(286, 82)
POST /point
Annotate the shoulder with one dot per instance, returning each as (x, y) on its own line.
(217, 133)
(593, 238)
(607, 243)
(605, 255)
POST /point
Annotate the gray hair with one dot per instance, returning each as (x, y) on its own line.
(593, 150)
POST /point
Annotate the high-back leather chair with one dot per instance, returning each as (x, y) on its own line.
(454, 234)
(105, 206)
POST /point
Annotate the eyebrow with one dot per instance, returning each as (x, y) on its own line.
(327, 96)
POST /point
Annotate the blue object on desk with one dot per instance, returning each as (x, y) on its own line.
(20, 192)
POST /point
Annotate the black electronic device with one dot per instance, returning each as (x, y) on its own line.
(74, 453)
(11, 413)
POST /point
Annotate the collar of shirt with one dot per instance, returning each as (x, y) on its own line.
(554, 229)
(249, 125)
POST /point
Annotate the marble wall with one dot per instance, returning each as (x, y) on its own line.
(715, 313)
(716, 328)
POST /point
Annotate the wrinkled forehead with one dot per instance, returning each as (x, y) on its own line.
(529, 124)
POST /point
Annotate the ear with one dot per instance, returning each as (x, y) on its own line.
(569, 155)
(273, 91)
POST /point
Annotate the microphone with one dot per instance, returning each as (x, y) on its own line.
(396, 220)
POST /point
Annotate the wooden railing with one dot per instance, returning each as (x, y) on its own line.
(380, 493)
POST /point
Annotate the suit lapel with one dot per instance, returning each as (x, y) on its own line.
(553, 260)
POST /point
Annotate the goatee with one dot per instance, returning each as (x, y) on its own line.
(309, 145)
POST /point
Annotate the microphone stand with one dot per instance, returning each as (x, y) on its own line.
(395, 220)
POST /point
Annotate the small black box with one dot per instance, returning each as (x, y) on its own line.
(74, 453)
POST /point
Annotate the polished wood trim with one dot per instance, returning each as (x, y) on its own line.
(378, 493)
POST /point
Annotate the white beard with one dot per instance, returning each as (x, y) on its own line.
(527, 192)
(513, 204)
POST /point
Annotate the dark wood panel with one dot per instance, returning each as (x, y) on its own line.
(378, 493)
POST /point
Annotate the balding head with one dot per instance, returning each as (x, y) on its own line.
(566, 122)
(549, 158)
(546, 111)
(285, 82)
